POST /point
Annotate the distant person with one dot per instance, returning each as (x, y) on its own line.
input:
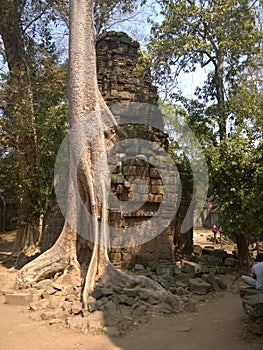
(214, 230)
(256, 280)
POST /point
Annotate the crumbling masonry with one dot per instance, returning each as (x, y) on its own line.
(121, 81)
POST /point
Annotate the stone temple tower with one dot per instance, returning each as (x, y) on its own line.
(123, 81)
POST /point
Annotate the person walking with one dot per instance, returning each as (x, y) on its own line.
(214, 230)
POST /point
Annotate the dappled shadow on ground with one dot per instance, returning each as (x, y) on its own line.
(218, 323)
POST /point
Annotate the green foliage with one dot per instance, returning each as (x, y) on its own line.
(237, 182)
(226, 112)
(49, 85)
(219, 36)
(196, 32)
(27, 172)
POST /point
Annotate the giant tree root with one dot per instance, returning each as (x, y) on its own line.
(143, 287)
(62, 257)
(57, 259)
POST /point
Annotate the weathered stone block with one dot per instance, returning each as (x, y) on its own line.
(48, 315)
(221, 282)
(155, 198)
(18, 299)
(139, 268)
(130, 292)
(97, 293)
(139, 310)
(76, 307)
(247, 291)
(156, 182)
(165, 270)
(253, 305)
(154, 173)
(189, 266)
(230, 262)
(117, 179)
(156, 189)
(199, 286)
(197, 249)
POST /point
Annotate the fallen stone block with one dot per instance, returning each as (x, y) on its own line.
(18, 299)
(139, 268)
(162, 270)
(253, 305)
(248, 291)
(199, 286)
(222, 283)
(55, 322)
(48, 315)
(139, 310)
(189, 266)
(76, 307)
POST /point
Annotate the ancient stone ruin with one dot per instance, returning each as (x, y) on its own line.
(121, 81)
(199, 277)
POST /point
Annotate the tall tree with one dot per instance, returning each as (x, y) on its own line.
(48, 81)
(25, 28)
(223, 39)
(236, 187)
(87, 260)
(217, 35)
(20, 112)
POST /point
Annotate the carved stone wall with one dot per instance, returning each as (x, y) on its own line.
(118, 77)
(121, 81)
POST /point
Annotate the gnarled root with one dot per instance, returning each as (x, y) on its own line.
(58, 258)
(143, 286)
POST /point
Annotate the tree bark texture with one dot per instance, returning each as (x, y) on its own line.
(220, 93)
(245, 259)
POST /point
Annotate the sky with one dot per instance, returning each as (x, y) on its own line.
(139, 29)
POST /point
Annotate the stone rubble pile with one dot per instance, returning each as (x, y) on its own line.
(252, 302)
(115, 310)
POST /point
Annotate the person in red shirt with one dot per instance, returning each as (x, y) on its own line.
(214, 230)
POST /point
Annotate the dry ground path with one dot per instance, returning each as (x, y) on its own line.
(217, 325)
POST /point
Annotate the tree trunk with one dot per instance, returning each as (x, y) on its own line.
(244, 256)
(20, 110)
(220, 93)
(85, 98)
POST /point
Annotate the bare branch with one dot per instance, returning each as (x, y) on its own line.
(37, 17)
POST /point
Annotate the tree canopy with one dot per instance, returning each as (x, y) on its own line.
(218, 35)
(224, 40)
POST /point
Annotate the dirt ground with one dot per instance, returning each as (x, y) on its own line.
(217, 325)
